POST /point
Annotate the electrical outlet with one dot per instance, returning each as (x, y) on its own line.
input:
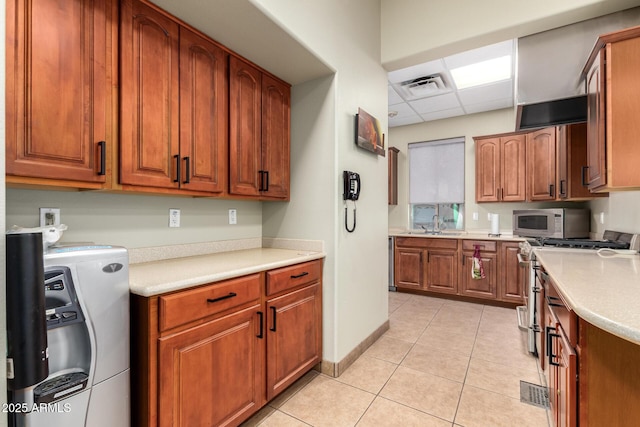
(475, 216)
(233, 216)
(601, 217)
(49, 216)
(174, 218)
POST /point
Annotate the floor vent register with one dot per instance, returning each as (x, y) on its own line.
(534, 394)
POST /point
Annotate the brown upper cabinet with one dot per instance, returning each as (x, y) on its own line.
(541, 165)
(572, 163)
(556, 165)
(500, 168)
(613, 89)
(58, 92)
(259, 132)
(173, 115)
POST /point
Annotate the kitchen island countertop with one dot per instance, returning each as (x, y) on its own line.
(603, 290)
(450, 234)
(158, 277)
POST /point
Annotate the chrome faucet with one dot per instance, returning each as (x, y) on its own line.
(436, 224)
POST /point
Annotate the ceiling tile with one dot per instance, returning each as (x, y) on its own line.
(474, 95)
(402, 121)
(435, 103)
(443, 114)
(495, 104)
(394, 98)
(403, 109)
(481, 54)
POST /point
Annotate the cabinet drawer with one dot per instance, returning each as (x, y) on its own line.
(485, 245)
(291, 277)
(426, 242)
(183, 307)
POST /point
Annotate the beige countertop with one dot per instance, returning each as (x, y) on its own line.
(604, 291)
(471, 235)
(158, 277)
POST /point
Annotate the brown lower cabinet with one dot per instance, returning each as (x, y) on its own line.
(213, 355)
(443, 265)
(592, 374)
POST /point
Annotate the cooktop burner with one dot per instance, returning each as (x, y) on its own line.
(611, 240)
(584, 243)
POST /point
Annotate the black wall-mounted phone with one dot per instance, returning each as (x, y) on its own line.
(351, 192)
(351, 185)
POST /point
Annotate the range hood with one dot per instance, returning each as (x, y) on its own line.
(551, 113)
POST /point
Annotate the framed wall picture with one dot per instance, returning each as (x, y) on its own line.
(369, 133)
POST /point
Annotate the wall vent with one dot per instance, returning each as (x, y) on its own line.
(423, 87)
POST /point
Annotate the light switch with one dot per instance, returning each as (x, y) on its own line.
(475, 216)
(233, 216)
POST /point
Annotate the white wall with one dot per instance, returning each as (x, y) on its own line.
(345, 35)
(135, 221)
(493, 122)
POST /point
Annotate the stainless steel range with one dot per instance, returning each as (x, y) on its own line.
(528, 315)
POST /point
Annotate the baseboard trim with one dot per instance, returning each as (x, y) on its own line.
(333, 369)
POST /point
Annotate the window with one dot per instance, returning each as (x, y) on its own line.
(436, 184)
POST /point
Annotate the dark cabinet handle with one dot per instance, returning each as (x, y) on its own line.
(584, 181)
(177, 157)
(563, 191)
(187, 171)
(551, 357)
(297, 276)
(230, 295)
(261, 326)
(102, 145)
(261, 178)
(266, 187)
(273, 310)
(551, 189)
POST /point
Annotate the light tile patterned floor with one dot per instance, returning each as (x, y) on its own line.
(442, 363)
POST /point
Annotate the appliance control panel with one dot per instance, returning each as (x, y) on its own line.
(61, 302)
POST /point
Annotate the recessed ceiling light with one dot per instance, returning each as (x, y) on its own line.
(480, 73)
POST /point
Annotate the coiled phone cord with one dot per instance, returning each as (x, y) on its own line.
(346, 224)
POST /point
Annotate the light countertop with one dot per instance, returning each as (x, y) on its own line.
(158, 277)
(604, 291)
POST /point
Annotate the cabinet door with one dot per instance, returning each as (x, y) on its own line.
(203, 114)
(294, 337)
(484, 288)
(513, 168)
(566, 383)
(488, 181)
(511, 280)
(276, 126)
(541, 164)
(57, 93)
(245, 126)
(408, 269)
(212, 374)
(442, 271)
(596, 157)
(149, 151)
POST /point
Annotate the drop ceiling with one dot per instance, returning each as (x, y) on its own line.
(427, 92)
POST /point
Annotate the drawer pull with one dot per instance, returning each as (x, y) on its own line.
(297, 276)
(231, 295)
(274, 311)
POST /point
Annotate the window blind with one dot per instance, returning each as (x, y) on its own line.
(436, 171)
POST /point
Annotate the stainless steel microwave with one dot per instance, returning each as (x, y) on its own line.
(561, 223)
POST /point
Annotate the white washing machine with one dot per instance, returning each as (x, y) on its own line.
(87, 316)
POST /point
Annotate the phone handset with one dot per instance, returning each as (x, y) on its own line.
(351, 192)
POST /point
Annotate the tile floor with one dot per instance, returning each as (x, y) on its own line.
(442, 363)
